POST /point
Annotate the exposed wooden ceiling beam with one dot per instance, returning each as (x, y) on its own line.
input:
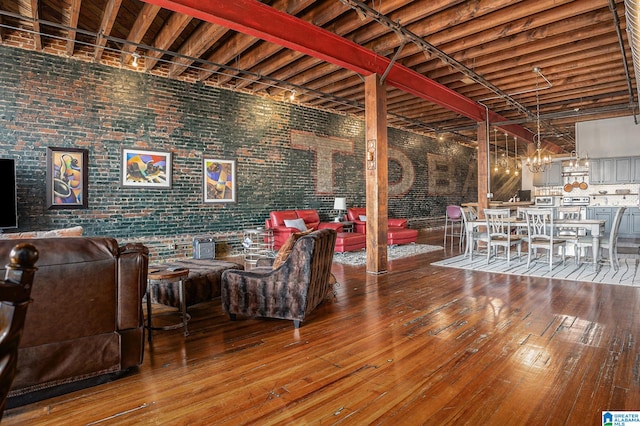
(74, 13)
(139, 29)
(36, 25)
(167, 35)
(108, 18)
(259, 20)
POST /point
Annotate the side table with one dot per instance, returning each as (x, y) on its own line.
(347, 226)
(257, 244)
(167, 276)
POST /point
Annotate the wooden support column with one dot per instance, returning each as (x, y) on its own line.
(483, 167)
(377, 173)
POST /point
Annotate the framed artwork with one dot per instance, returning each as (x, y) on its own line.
(146, 169)
(219, 178)
(67, 178)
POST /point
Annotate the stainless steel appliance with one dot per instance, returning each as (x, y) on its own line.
(576, 201)
(547, 200)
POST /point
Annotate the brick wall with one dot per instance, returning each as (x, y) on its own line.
(49, 101)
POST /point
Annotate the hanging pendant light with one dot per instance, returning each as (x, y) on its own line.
(517, 164)
(538, 163)
(506, 145)
(495, 145)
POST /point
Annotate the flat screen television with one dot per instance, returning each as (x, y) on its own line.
(8, 194)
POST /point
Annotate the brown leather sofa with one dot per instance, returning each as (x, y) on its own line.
(86, 319)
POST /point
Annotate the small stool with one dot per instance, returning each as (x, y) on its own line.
(397, 236)
(167, 276)
(350, 241)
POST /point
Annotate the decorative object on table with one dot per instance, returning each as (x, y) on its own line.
(340, 204)
(204, 248)
(67, 178)
(219, 180)
(145, 169)
(257, 244)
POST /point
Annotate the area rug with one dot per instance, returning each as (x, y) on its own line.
(393, 252)
(628, 274)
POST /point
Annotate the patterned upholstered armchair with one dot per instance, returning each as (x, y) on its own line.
(290, 291)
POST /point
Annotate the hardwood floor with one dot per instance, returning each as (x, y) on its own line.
(418, 345)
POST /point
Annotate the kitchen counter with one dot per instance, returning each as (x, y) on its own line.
(505, 204)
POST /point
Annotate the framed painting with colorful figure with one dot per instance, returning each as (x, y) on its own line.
(67, 178)
(219, 180)
(146, 169)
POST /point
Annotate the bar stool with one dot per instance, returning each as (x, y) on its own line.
(453, 216)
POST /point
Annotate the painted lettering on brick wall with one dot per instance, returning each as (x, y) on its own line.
(446, 177)
(324, 147)
(407, 175)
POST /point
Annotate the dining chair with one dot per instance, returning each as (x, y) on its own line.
(568, 233)
(471, 235)
(499, 233)
(453, 216)
(608, 243)
(541, 235)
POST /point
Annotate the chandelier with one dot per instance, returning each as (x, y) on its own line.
(538, 163)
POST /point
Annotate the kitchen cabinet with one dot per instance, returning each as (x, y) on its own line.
(622, 170)
(551, 177)
(635, 170)
(614, 170)
(602, 171)
(601, 213)
(634, 221)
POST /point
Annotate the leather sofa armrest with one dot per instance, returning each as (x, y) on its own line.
(400, 223)
(336, 226)
(133, 265)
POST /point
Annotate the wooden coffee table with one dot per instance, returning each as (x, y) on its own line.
(159, 275)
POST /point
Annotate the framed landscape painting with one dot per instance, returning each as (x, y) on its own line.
(67, 178)
(146, 169)
(219, 180)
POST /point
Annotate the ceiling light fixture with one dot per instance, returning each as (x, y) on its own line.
(495, 145)
(292, 97)
(538, 163)
(135, 56)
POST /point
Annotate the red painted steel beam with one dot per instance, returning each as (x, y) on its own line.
(259, 20)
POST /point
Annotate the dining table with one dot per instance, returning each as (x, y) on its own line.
(594, 227)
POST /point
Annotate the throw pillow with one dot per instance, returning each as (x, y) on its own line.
(287, 248)
(363, 217)
(296, 223)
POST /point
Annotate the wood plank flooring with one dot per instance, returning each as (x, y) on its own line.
(418, 345)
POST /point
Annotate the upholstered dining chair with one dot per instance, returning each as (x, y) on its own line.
(608, 243)
(290, 291)
(541, 235)
(453, 216)
(499, 234)
(15, 295)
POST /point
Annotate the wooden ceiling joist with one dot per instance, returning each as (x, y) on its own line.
(262, 21)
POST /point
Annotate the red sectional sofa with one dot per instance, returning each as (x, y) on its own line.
(397, 231)
(281, 232)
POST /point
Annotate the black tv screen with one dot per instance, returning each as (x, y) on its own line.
(8, 195)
